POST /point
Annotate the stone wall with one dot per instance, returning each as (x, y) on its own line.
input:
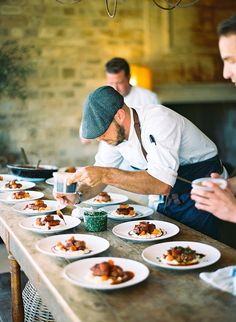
(71, 44)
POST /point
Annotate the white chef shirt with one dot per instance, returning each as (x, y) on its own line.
(139, 96)
(177, 142)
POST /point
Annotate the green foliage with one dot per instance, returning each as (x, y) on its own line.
(15, 67)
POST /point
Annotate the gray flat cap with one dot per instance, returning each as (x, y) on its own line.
(99, 110)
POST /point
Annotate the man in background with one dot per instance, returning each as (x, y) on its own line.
(222, 203)
(118, 76)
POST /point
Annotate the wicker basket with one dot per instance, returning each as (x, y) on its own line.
(34, 309)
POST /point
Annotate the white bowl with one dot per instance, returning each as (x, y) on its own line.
(197, 184)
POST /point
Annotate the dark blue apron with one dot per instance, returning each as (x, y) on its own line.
(179, 206)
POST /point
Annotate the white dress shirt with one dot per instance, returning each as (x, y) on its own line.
(139, 96)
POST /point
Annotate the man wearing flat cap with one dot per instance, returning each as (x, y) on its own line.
(156, 140)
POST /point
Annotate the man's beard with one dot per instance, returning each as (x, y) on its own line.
(120, 133)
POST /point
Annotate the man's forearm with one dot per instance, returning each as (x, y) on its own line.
(134, 181)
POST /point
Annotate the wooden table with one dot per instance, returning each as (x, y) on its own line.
(167, 295)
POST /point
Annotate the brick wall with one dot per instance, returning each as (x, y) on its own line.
(71, 44)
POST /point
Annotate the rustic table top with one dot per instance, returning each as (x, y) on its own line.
(167, 295)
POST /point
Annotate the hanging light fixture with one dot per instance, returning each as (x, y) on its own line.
(162, 4)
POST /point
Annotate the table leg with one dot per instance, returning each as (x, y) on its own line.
(16, 295)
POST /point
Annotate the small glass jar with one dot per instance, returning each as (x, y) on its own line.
(60, 183)
(95, 221)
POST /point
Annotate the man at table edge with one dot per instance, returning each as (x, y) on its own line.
(173, 145)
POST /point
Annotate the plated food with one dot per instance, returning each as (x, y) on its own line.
(115, 198)
(43, 225)
(14, 185)
(47, 222)
(71, 169)
(102, 197)
(72, 245)
(181, 255)
(124, 210)
(127, 212)
(145, 231)
(38, 207)
(20, 196)
(106, 273)
(60, 245)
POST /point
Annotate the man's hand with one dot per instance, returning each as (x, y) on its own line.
(221, 203)
(66, 199)
(90, 175)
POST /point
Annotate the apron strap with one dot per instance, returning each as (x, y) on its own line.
(138, 131)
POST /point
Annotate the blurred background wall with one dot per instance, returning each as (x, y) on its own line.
(68, 47)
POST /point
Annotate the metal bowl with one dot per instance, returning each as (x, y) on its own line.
(31, 171)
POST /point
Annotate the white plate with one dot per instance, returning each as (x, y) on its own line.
(31, 179)
(115, 199)
(122, 230)
(7, 177)
(77, 272)
(6, 197)
(28, 224)
(50, 181)
(53, 206)
(94, 243)
(25, 185)
(141, 212)
(153, 253)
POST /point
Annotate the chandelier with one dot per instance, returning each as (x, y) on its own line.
(162, 4)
